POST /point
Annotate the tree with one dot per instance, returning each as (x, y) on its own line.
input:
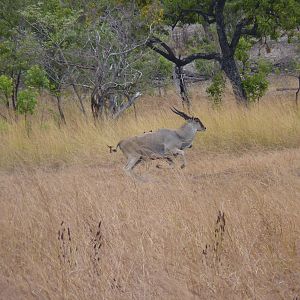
(232, 19)
(36, 77)
(26, 105)
(53, 25)
(110, 51)
(27, 102)
(15, 54)
(90, 49)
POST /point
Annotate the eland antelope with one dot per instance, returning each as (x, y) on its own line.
(161, 144)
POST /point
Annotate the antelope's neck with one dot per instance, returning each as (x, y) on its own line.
(187, 132)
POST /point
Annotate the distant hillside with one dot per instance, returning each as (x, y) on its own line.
(280, 53)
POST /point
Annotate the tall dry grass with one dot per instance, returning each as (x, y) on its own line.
(73, 226)
(90, 232)
(272, 124)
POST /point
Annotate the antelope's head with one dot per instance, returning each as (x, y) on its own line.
(194, 121)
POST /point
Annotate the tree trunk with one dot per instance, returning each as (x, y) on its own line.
(7, 102)
(112, 104)
(97, 103)
(79, 99)
(228, 63)
(61, 112)
(180, 83)
(231, 70)
(14, 96)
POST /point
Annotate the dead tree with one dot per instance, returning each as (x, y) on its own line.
(107, 61)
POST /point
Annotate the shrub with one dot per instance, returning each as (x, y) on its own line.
(26, 101)
(216, 89)
(37, 78)
(6, 87)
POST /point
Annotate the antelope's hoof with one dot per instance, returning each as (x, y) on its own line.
(182, 166)
(158, 166)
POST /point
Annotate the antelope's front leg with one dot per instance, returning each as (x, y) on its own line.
(181, 153)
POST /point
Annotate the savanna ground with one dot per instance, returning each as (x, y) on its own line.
(74, 226)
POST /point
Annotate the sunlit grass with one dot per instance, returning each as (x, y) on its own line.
(74, 226)
(269, 125)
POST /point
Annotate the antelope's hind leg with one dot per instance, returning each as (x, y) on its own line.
(131, 164)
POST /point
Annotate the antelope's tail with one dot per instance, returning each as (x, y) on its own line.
(112, 149)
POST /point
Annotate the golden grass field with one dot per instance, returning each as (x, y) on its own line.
(74, 226)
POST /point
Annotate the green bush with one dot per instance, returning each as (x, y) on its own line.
(26, 101)
(242, 51)
(6, 87)
(216, 89)
(257, 84)
(37, 78)
(164, 67)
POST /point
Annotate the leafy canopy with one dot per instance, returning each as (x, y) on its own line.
(270, 16)
(6, 86)
(36, 77)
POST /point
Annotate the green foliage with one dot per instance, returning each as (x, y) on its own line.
(151, 11)
(216, 89)
(36, 77)
(50, 33)
(257, 84)
(17, 56)
(6, 86)
(264, 67)
(153, 67)
(54, 21)
(173, 9)
(277, 71)
(271, 15)
(242, 50)
(164, 67)
(295, 66)
(26, 101)
(15, 43)
(205, 67)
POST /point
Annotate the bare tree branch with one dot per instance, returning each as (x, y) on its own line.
(168, 53)
(206, 56)
(126, 105)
